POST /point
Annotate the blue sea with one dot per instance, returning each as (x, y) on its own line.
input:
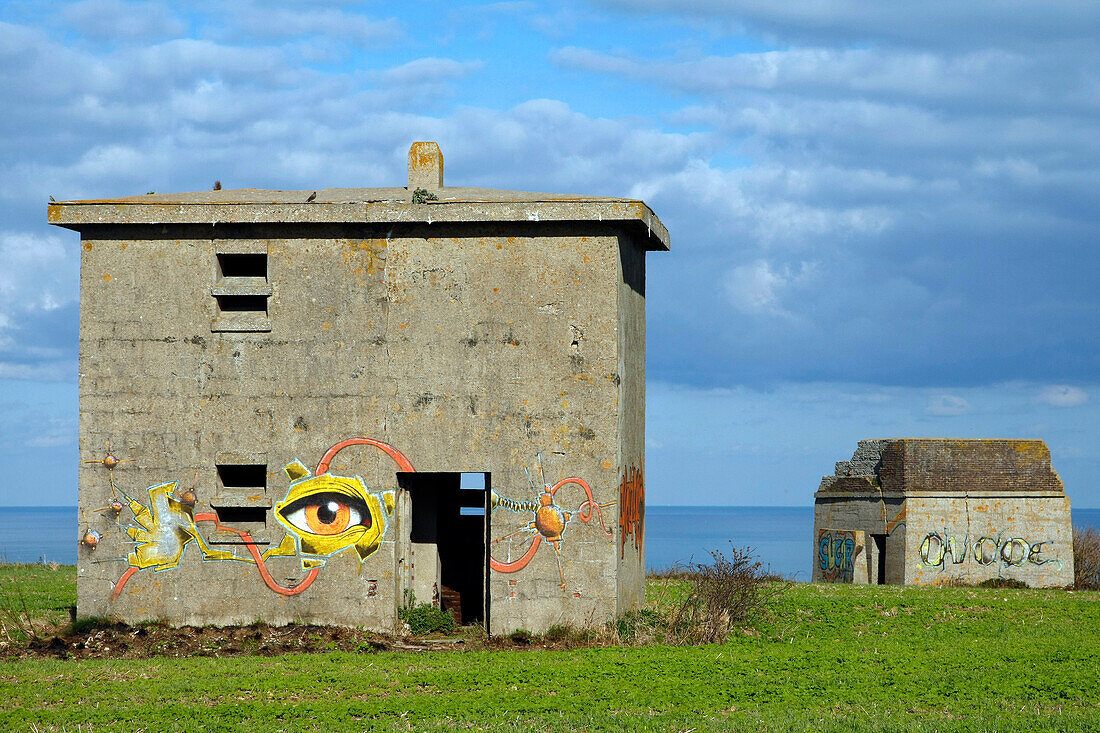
(780, 536)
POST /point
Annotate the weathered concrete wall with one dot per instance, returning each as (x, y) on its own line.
(425, 584)
(870, 514)
(466, 353)
(973, 539)
(951, 510)
(630, 547)
(482, 338)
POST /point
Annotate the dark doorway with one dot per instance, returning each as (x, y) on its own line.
(880, 557)
(451, 510)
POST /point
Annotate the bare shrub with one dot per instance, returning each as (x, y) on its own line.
(15, 617)
(729, 591)
(1086, 558)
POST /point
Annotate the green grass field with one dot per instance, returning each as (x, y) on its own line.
(827, 658)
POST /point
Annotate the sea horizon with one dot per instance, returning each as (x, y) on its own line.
(675, 535)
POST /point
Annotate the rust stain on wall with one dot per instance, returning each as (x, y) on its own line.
(631, 508)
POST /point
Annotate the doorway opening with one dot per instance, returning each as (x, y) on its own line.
(880, 557)
(450, 516)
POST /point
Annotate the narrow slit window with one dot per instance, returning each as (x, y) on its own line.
(241, 514)
(241, 292)
(243, 475)
(243, 265)
(242, 303)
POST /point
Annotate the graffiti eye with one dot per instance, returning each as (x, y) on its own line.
(327, 513)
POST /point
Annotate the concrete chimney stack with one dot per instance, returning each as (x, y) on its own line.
(425, 166)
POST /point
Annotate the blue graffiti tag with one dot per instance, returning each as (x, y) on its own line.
(835, 555)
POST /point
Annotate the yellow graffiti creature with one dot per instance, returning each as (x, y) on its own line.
(167, 525)
(325, 514)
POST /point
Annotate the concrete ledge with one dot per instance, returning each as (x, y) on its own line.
(159, 209)
(876, 495)
(241, 322)
(242, 289)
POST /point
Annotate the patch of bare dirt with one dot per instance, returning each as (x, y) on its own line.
(122, 641)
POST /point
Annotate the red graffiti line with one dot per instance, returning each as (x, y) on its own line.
(250, 543)
(398, 457)
(584, 511)
(631, 509)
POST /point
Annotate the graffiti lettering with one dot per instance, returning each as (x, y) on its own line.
(836, 553)
(937, 548)
(631, 509)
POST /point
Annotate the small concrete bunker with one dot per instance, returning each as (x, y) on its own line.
(927, 510)
(322, 406)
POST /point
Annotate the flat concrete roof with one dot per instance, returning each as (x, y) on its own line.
(359, 205)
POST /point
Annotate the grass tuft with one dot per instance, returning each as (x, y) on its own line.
(88, 624)
(521, 637)
(424, 618)
(725, 593)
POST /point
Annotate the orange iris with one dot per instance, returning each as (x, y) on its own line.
(328, 517)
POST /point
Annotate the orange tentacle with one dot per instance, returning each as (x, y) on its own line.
(515, 565)
(398, 457)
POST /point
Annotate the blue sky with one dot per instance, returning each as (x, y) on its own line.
(884, 215)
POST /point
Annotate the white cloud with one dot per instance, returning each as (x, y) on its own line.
(37, 273)
(115, 19)
(52, 433)
(948, 404)
(268, 21)
(59, 370)
(1061, 395)
(758, 287)
(934, 24)
(973, 77)
(428, 70)
(1014, 169)
(39, 288)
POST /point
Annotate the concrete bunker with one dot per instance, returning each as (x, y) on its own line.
(929, 510)
(321, 406)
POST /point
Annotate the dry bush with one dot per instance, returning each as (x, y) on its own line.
(15, 617)
(724, 593)
(679, 571)
(1086, 558)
